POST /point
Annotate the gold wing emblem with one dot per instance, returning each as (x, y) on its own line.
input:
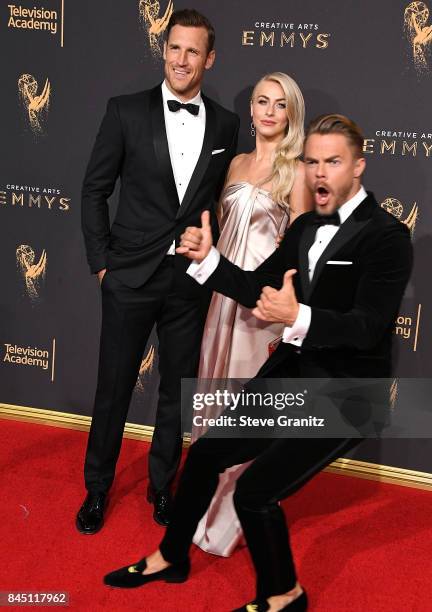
(34, 104)
(158, 26)
(395, 207)
(393, 393)
(420, 35)
(155, 25)
(39, 102)
(411, 219)
(32, 272)
(35, 271)
(145, 368)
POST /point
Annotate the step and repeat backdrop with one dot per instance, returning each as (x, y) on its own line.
(62, 60)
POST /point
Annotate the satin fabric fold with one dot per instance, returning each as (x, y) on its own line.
(235, 343)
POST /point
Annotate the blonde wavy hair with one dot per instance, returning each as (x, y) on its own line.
(291, 147)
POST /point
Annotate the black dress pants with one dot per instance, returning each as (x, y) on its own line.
(128, 316)
(280, 468)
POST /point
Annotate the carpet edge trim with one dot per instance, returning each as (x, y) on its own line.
(342, 466)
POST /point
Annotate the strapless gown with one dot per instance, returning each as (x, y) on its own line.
(235, 343)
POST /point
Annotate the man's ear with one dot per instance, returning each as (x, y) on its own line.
(210, 59)
(360, 166)
(164, 50)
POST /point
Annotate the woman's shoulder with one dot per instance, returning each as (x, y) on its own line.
(238, 160)
(236, 167)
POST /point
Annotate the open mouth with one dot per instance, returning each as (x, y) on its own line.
(322, 195)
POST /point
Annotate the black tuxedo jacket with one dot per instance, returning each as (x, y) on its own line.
(353, 305)
(132, 144)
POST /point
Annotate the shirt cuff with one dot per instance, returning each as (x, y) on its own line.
(202, 271)
(297, 333)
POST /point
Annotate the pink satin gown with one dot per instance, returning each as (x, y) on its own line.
(235, 343)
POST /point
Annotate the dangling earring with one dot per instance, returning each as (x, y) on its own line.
(253, 133)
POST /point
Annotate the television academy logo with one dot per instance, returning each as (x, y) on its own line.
(32, 272)
(36, 105)
(31, 356)
(407, 325)
(419, 34)
(149, 11)
(26, 16)
(395, 207)
(145, 369)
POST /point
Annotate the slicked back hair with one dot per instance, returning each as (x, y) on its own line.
(338, 124)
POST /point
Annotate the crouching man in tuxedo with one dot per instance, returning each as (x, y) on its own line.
(336, 282)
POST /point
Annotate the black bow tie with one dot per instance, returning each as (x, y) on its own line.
(319, 220)
(175, 105)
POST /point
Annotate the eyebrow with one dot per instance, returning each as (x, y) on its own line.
(267, 98)
(174, 44)
(333, 157)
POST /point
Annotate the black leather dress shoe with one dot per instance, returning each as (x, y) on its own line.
(131, 576)
(162, 502)
(90, 518)
(298, 605)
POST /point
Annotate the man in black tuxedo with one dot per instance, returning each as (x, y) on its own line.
(170, 147)
(336, 282)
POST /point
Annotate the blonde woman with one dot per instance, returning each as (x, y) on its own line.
(264, 191)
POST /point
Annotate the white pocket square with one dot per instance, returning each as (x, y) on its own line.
(339, 263)
(216, 151)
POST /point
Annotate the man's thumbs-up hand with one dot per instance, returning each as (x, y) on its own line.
(278, 306)
(196, 242)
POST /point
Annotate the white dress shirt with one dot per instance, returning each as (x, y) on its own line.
(185, 135)
(295, 334)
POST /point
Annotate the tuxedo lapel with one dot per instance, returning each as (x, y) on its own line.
(203, 160)
(160, 143)
(352, 226)
(306, 241)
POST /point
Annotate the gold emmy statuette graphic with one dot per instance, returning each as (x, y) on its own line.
(419, 34)
(149, 15)
(33, 273)
(145, 368)
(393, 393)
(394, 207)
(37, 106)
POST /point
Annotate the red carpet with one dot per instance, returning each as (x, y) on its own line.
(360, 546)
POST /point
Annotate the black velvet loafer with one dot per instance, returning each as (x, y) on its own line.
(298, 605)
(131, 576)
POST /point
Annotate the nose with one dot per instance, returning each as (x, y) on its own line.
(320, 170)
(269, 110)
(182, 57)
